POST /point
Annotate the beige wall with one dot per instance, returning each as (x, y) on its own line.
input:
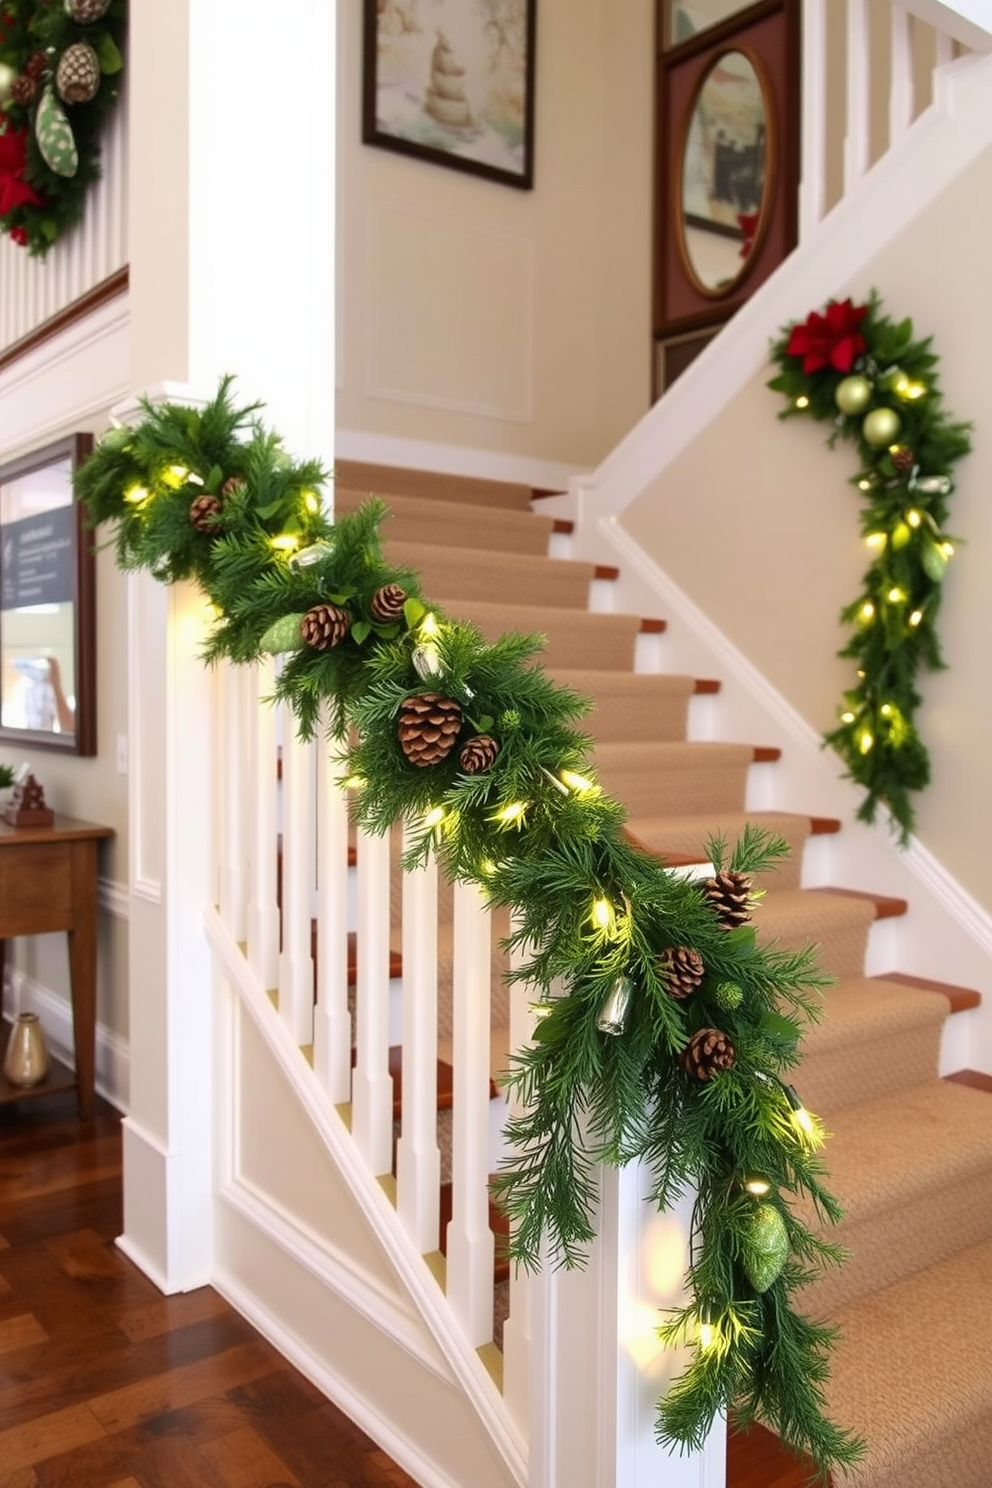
(757, 523)
(472, 313)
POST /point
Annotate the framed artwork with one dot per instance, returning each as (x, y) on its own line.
(47, 609)
(452, 81)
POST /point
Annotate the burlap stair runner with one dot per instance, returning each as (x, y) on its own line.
(507, 578)
(486, 529)
(465, 490)
(911, 1156)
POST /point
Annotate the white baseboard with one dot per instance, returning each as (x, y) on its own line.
(113, 1054)
(374, 1423)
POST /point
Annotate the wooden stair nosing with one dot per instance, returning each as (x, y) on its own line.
(706, 685)
(959, 999)
(887, 906)
(976, 1079)
(563, 525)
(606, 571)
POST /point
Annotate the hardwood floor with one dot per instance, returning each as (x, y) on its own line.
(105, 1383)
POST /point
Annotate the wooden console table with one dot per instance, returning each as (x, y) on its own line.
(48, 880)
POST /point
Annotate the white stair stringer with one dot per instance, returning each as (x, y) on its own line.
(312, 1251)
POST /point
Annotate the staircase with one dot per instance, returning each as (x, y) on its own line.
(911, 1154)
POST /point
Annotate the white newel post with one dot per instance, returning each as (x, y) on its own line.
(231, 270)
(597, 1368)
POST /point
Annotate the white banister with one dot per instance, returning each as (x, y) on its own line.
(856, 137)
(812, 192)
(372, 1086)
(471, 1248)
(295, 959)
(263, 907)
(418, 1158)
(332, 1019)
(901, 97)
(518, 1328)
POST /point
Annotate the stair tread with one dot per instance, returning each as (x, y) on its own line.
(451, 574)
(959, 998)
(913, 1367)
(664, 754)
(861, 1008)
(504, 530)
(401, 480)
(897, 1148)
(887, 906)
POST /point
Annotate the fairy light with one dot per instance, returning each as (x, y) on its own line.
(434, 818)
(577, 782)
(802, 401)
(886, 710)
(800, 1116)
(180, 473)
(864, 484)
(310, 501)
(866, 743)
(707, 1328)
(896, 595)
(511, 815)
(758, 1187)
(602, 913)
(867, 610)
(915, 618)
(429, 627)
(354, 782)
(847, 717)
(914, 517)
(947, 549)
(876, 539)
(136, 495)
(285, 542)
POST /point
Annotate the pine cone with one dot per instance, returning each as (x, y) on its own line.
(903, 459)
(428, 727)
(36, 66)
(77, 77)
(85, 12)
(707, 1053)
(478, 754)
(23, 90)
(324, 626)
(729, 894)
(204, 512)
(233, 485)
(682, 969)
(387, 603)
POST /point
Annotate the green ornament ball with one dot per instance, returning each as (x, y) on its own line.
(853, 394)
(766, 1247)
(282, 635)
(729, 996)
(881, 426)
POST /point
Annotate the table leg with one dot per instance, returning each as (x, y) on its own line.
(82, 971)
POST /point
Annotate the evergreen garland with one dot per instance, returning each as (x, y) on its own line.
(876, 385)
(38, 203)
(683, 1074)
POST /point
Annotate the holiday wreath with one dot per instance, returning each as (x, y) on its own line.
(876, 385)
(675, 1029)
(60, 72)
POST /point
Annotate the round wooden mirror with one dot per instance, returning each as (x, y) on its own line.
(724, 187)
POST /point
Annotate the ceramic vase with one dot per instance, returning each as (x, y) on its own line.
(26, 1061)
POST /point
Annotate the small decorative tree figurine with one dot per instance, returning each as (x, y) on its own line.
(27, 805)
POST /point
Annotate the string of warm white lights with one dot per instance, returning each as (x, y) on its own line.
(661, 1028)
(877, 387)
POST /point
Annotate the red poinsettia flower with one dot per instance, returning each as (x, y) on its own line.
(14, 190)
(829, 340)
(748, 224)
(19, 236)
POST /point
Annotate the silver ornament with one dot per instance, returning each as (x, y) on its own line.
(7, 76)
(613, 1014)
(315, 553)
(932, 485)
(427, 663)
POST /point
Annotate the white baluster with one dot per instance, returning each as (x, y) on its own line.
(263, 908)
(901, 93)
(233, 764)
(518, 1328)
(812, 192)
(372, 1087)
(856, 141)
(470, 1240)
(295, 960)
(332, 1020)
(418, 1161)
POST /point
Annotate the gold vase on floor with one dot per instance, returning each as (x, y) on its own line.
(26, 1061)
